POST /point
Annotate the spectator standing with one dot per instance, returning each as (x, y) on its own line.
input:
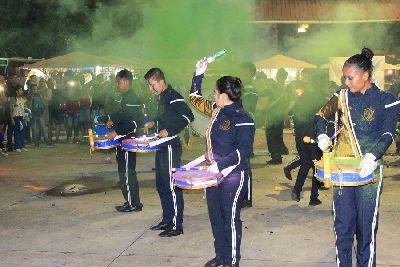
(56, 110)
(37, 108)
(72, 109)
(19, 121)
(10, 93)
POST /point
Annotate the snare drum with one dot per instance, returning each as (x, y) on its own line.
(100, 138)
(196, 179)
(140, 144)
(344, 172)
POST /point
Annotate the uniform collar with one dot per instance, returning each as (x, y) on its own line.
(371, 91)
(234, 109)
(166, 90)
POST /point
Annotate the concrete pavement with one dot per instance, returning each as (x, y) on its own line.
(37, 229)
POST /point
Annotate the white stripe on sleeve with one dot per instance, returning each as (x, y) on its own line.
(177, 100)
(186, 118)
(243, 124)
(393, 104)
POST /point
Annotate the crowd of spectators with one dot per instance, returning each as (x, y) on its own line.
(46, 110)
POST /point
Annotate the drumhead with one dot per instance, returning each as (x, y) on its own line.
(195, 175)
(135, 142)
(341, 164)
(196, 179)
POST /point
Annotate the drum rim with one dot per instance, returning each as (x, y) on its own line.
(210, 176)
(336, 183)
(139, 149)
(216, 182)
(105, 147)
(128, 140)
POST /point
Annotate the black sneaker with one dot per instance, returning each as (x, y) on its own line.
(122, 206)
(171, 232)
(287, 173)
(161, 226)
(295, 195)
(129, 208)
(314, 202)
(274, 161)
(214, 263)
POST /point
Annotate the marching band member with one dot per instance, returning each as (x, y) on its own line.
(230, 138)
(173, 116)
(125, 121)
(368, 116)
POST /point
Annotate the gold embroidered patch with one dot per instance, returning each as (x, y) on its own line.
(225, 125)
(369, 114)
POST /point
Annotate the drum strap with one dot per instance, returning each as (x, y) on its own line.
(208, 133)
(348, 123)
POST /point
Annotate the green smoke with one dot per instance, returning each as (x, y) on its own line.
(174, 34)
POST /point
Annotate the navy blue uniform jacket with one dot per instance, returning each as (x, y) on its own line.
(173, 113)
(129, 114)
(230, 135)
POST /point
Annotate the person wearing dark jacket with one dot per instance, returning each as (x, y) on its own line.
(172, 117)
(249, 101)
(304, 109)
(230, 138)
(367, 117)
(125, 121)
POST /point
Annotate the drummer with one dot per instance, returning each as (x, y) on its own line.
(173, 116)
(230, 139)
(368, 116)
(125, 121)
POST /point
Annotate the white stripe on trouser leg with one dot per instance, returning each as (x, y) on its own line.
(372, 245)
(233, 217)
(248, 188)
(171, 186)
(127, 178)
(334, 230)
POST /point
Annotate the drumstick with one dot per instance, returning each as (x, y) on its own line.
(161, 140)
(91, 141)
(195, 162)
(308, 139)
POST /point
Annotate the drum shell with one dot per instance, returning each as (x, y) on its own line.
(138, 145)
(196, 179)
(344, 172)
(101, 141)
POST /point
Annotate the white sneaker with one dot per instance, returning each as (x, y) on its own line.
(18, 150)
(4, 153)
(24, 149)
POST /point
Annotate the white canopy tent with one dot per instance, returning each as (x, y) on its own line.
(293, 66)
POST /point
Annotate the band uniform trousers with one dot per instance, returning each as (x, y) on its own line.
(293, 164)
(307, 153)
(248, 187)
(224, 204)
(356, 211)
(248, 190)
(274, 137)
(171, 197)
(127, 176)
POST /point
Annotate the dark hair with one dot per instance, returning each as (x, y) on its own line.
(250, 67)
(281, 75)
(362, 61)
(154, 73)
(125, 74)
(232, 86)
